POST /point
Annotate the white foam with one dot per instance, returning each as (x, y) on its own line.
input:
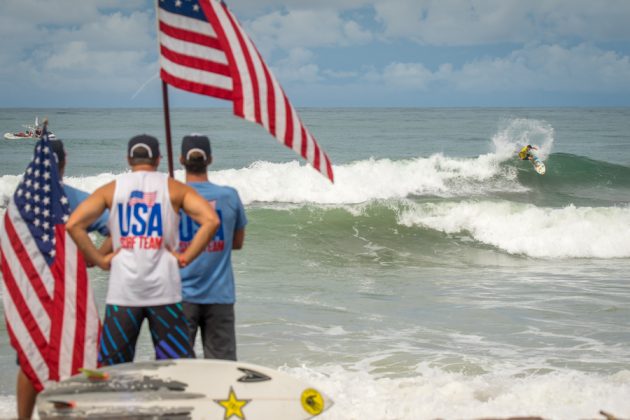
(434, 393)
(370, 179)
(8, 185)
(7, 407)
(89, 183)
(569, 232)
(355, 182)
(520, 132)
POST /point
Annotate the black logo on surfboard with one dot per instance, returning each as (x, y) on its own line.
(252, 376)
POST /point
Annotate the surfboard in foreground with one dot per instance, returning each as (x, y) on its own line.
(183, 389)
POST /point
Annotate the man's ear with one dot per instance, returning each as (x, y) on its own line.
(210, 160)
(182, 160)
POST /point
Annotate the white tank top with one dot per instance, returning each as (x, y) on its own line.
(143, 225)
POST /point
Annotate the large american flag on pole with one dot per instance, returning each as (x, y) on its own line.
(49, 308)
(203, 49)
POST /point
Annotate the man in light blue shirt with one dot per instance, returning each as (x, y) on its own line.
(75, 195)
(208, 281)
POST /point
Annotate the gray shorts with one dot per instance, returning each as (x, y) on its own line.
(216, 323)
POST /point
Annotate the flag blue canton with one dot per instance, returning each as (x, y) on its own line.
(188, 8)
(41, 200)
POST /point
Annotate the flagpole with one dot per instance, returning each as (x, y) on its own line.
(167, 127)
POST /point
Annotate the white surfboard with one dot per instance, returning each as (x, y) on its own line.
(539, 166)
(183, 389)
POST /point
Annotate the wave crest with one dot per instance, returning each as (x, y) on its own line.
(569, 232)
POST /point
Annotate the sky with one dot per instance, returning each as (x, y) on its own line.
(333, 53)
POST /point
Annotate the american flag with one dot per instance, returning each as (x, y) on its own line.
(49, 308)
(139, 197)
(203, 49)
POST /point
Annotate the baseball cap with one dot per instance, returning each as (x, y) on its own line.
(58, 150)
(143, 142)
(196, 143)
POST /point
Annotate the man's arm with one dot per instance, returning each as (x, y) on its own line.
(83, 216)
(239, 239)
(186, 198)
(241, 222)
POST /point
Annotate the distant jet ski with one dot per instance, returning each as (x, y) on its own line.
(31, 132)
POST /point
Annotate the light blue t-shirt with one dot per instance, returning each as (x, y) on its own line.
(76, 197)
(209, 278)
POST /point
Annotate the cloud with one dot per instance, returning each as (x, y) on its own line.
(305, 29)
(76, 66)
(297, 67)
(334, 74)
(62, 12)
(543, 68)
(115, 31)
(475, 22)
(103, 52)
(248, 8)
(408, 75)
(583, 68)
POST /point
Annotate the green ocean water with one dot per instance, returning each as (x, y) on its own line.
(438, 277)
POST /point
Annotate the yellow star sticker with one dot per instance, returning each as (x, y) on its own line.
(233, 406)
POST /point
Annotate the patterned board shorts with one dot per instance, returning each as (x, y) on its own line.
(121, 327)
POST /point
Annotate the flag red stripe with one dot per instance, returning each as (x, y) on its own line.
(271, 99)
(237, 86)
(316, 160)
(56, 329)
(288, 134)
(25, 364)
(12, 288)
(250, 67)
(195, 62)
(80, 322)
(304, 148)
(329, 170)
(190, 36)
(196, 87)
(27, 264)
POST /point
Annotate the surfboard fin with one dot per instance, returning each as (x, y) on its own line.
(252, 376)
(63, 405)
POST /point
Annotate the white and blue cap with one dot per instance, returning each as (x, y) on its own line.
(143, 146)
(196, 144)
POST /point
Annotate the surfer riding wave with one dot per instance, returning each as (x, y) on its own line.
(530, 153)
(527, 153)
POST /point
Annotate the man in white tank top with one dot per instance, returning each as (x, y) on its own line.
(144, 267)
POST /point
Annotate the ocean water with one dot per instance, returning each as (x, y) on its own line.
(439, 277)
